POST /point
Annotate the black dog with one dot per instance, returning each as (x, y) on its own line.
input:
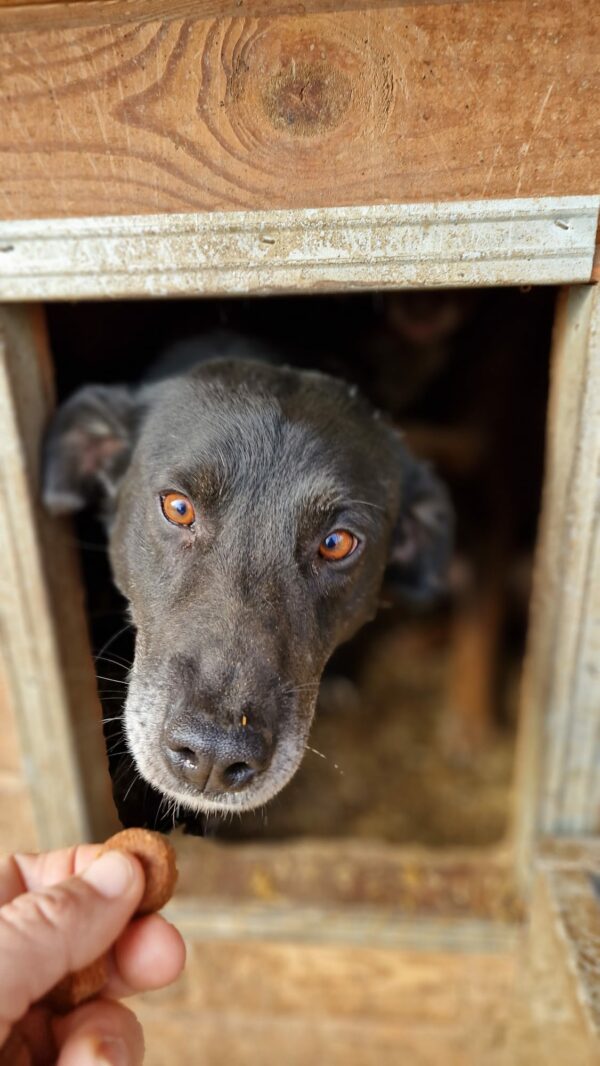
(256, 516)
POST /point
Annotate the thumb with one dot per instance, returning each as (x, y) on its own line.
(47, 934)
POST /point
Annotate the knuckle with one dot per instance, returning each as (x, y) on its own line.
(54, 908)
(43, 918)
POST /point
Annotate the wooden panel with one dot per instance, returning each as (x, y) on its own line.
(333, 981)
(18, 830)
(93, 11)
(288, 1003)
(472, 884)
(10, 750)
(559, 757)
(337, 952)
(423, 102)
(242, 1041)
(556, 1018)
(42, 625)
(486, 243)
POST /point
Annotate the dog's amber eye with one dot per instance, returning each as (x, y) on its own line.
(337, 545)
(178, 509)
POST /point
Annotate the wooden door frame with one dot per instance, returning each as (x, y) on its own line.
(397, 246)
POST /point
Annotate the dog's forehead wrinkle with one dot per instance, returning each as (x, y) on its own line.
(224, 410)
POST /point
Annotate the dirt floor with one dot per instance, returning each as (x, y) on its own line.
(378, 764)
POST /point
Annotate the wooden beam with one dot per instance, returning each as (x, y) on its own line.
(206, 112)
(284, 1002)
(48, 669)
(487, 243)
(559, 751)
(94, 12)
(363, 952)
(471, 884)
(556, 1017)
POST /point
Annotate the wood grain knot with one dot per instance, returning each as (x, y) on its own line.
(306, 99)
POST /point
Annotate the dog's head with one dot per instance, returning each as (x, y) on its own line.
(254, 514)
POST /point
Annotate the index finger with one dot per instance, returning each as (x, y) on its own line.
(28, 872)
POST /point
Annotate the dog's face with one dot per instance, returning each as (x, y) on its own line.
(254, 514)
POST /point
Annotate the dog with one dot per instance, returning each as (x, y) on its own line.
(257, 515)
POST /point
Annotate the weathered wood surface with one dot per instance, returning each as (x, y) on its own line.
(559, 756)
(421, 102)
(474, 884)
(337, 952)
(556, 1014)
(50, 685)
(17, 826)
(295, 1004)
(96, 10)
(486, 243)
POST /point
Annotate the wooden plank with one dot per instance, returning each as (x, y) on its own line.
(356, 925)
(244, 1001)
(94, 11)
(10, 749)
(18, 830)
(337, 951)
(328, 980)
(476, 885)
(485, 243)
(244, 1040)
(556, 1016)
(421, 102)
(559, 750)
(42, 624)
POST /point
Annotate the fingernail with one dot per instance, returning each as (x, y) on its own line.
(111, 1052)
(111, 875)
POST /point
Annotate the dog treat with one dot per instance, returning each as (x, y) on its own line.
(78, 987)
(14, 1051)
(157, 859)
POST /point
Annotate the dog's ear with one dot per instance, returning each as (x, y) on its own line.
(87, 447)
(423, 537)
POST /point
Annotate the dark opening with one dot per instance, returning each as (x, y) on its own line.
(413, 739)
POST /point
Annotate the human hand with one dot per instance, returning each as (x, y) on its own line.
(59, 911)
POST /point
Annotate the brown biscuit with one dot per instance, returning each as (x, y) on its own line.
(78, 987)
(157, 858)
(14, 1051)
(158, 861)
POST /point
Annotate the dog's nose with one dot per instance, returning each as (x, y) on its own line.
(215, 759)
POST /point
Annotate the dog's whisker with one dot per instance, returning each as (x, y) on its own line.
(315, 751)
(114, 739)
(322, 756)
(118, 660)
(159, 809)
(113, 638)
(135, 778)
(121, 771)
(367, 503)
(301, 688)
